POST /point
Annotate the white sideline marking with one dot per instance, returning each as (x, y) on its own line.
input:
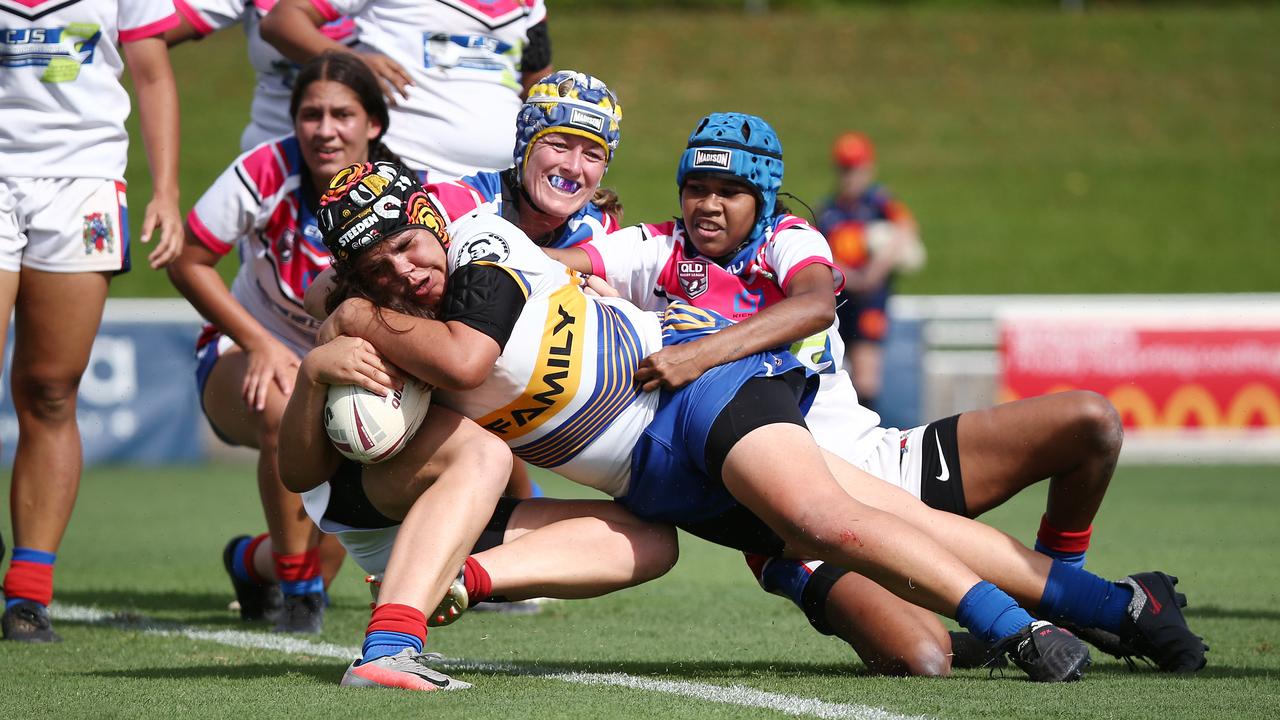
(728, 695)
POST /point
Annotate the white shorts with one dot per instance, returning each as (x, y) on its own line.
(838, 423)
(371, 549)
(924, 461)
(63, 225)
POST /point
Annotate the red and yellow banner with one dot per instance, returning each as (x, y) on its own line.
(1160, 374)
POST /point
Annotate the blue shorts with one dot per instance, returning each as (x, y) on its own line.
(670, 480)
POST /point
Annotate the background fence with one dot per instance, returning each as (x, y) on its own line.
(1196, 377)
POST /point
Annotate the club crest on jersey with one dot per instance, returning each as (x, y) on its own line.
(98, 235)
(721, 159)
(692, 275)
(587, 119)
(486, 247)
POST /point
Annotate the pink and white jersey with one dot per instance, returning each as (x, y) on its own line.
(464, 59)
(652, 265)
(269, 115)
(257, 205)
(60, 93)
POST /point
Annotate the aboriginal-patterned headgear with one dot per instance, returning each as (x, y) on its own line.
(369, 202)
(743, 147)
(567, 102)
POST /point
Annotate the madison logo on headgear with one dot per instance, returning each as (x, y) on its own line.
(587, 119)
(713, 158)
(692, 275)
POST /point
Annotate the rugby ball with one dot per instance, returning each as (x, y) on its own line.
(369, 428)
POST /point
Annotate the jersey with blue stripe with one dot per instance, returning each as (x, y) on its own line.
(562, 394)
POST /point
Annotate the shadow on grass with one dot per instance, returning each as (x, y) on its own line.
(328, 674)
(1213, 611)
(1118, 669)
(173, 606)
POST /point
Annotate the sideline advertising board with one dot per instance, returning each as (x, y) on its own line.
(1203, 376)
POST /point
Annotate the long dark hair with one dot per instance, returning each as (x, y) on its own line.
(359, 279)
(345, 68)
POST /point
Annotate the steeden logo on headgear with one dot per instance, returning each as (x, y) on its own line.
(586, 119)
(713, 158)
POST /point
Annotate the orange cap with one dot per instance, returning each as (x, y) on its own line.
(852, 149)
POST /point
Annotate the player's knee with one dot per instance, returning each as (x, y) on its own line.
(491, 459)
(656, 551)
(1098, 422)
(921, 656)
(47, 400)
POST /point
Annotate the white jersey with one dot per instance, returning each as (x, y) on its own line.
(652, 265)
(562, 393)
(257, 206)
(61, 100)
(464, 59)
(269, 114)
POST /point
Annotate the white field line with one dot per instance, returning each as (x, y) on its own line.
(728, 695)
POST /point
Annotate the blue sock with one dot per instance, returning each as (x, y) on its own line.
(384, 643)
(787, 578)
(1074, 559)
(302, 587)
(237, 561)
(1079, 596)
(35, 557)
(989, 612)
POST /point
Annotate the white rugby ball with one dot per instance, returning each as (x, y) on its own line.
(370, 428)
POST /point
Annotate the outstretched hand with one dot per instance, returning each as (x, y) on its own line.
(162, 216)
(671, 368)
(389, 72)
(273, 364)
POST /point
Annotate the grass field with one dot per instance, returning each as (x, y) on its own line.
(147, 543)
(1122, 150)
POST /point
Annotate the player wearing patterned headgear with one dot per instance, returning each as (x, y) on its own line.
(63, 234)
(458, 67)
(269, 114)
(567, 132)
(781, 292)
(521, 350)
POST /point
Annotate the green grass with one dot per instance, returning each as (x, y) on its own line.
(1121, 150)
(148, 540)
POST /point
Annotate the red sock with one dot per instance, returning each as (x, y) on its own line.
(246, 559)
(756, 563)
(297, 567)
(394, 617)
(29, 581)
(1063, 541)
(476, 578)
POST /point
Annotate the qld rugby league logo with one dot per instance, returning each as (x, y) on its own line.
(692, 275)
